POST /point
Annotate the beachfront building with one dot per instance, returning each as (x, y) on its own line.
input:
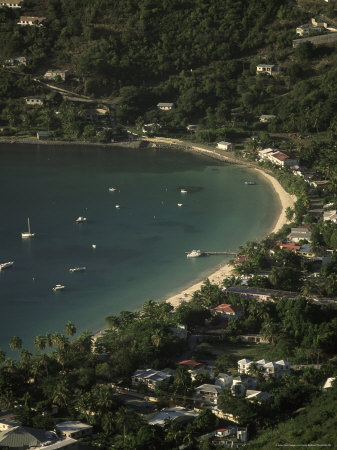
(150, 377)
(267, 69)
(74, 429)
(263, 154)
(11, 3)
(299, 233)
(282, 160)
(52, 74)
(43, 135)
(32, 21)
(223, 145)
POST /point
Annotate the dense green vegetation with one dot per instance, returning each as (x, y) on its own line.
(201, 55)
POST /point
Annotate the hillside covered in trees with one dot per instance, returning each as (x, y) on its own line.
(201, 55)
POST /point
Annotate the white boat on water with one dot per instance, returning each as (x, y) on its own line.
(250, 183)
(117, 206)
(194, 254)
(93, 246)
(180, 204)
(6, 265)
(112, 189)
(183, 191)
(58, 287)
(81, 219)
(27, 234)
(77, 269)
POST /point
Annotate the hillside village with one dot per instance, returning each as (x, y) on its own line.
(251, 363)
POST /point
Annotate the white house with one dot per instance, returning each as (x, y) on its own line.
(165, 106)
(243, 365)
(299, 233)
(224, 380)
(207, 393)
(17, 61)
(11, 3)
(33, 100)
(74, 429)
(264, 118)
(177, 412)
(150, 377)
(51, 74)
(269, 69)
(328, 383)
(223, 145)
(282, 160)
(258, 396)
(32, 21)
(330, 215)
(267, 368)
(263, 154)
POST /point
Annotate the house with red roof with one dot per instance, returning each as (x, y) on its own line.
(226, 311)
(190, 364)
(291, 246)
(282, 160)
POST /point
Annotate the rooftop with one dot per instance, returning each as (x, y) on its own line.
(72, 425)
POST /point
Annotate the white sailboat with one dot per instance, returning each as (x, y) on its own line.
(27, 234)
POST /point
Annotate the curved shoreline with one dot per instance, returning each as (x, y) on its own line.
(286, 200)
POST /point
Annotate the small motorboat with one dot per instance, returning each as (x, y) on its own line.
(250, 183)
(179, 204)
(183, 191)
(117, 206)
(81, 219)
(77, 269)
(58, 287)
(112, 189)
(194, 254)
(6, 265)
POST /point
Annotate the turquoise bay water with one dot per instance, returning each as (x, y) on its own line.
(140, 247)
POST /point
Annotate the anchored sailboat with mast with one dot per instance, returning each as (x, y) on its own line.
(27, 234)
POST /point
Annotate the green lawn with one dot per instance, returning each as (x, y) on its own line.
(253, 352)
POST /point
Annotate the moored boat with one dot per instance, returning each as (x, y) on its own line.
(58, 287)
(194, 254)
(81, 219)
(250, 183)
(6, 265)
(112, 189)
(77, 269)
(27, 234)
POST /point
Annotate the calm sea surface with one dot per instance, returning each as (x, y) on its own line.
(139, 248)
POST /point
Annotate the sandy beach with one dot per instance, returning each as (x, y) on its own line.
(286, 200)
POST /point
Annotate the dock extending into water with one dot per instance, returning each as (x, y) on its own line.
(225, 252)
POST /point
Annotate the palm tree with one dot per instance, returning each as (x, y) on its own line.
(40, 343)
(15, 343)
(2, 356)
(70, 328)
(48, 340)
